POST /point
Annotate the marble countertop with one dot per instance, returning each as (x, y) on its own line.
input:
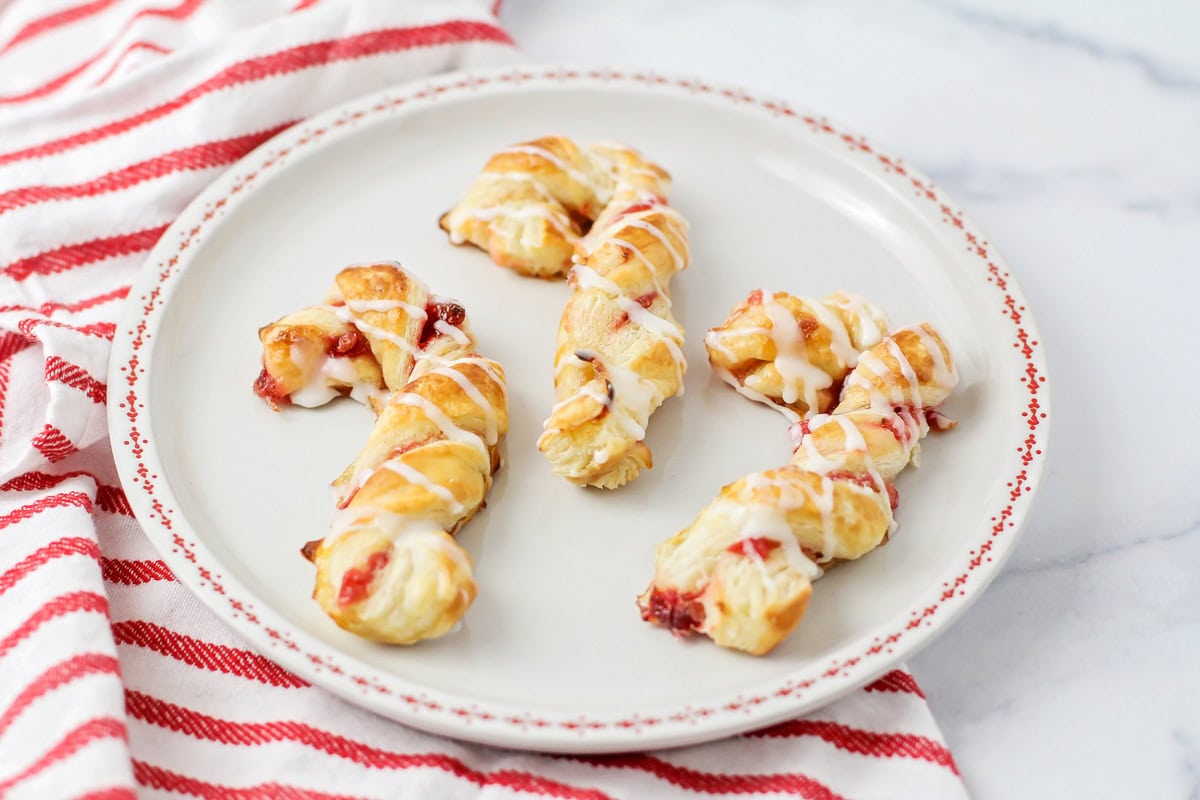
(1071, 133)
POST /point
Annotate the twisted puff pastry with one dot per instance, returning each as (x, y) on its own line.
(741, 573)
(362, 341)
(389, 569)
(792, 353)
(618, 354)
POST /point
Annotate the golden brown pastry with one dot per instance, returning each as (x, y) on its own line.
(549, 206)
(792, 353)
(618, 354)
(361, 341)
(741, 573)
(390, 569)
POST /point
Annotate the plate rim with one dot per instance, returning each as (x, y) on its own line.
(842, 671)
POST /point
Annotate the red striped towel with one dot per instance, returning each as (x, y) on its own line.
(113, 679)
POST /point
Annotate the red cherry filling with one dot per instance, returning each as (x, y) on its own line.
(867, 482)
(674, 610)
(350, 344)
(644, 301)
(638, 208)
(268, 388)
(760, 546)
(357, 579)
(450, 313)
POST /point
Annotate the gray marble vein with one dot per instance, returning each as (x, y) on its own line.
(1160, 74)
(1084, 557)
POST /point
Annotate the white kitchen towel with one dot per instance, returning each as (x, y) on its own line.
(114, 681)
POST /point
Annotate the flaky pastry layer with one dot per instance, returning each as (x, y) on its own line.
(742, 572)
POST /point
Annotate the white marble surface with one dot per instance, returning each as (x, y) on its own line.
(1071, 132)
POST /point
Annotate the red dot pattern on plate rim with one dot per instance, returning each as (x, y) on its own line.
(1018, 486)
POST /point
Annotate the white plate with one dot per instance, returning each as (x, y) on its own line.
(553, 654)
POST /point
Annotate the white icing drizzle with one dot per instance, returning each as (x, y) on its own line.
(910, 377)
(795, 494)
(649, 266)
(605, 162)
(649, 173)
(944, 374)
(325, 382)
(869, 363)
(521, 209)
(633, 394)
(758, 397)
(678, 260)
(667, 330)
(561, 365)
(345, 314)
(586, 390)
(823, 501)
(791, 357)
(869, 333)
(312, 394)
(839, 339)
(752, 329)
(546, 155)
(641, 196)
(636, 396)
(418, 478)
(440, 418)
(713, 341)
(768, 521)
(340, 369)
(816, 461)
(905, 408)
(361, 306)
(454, 332)
(446, 368)
(365, 393)
(482, 363)
(472, 391)
(759, 482)
(412, 533)
(522, 177)
(346, 520)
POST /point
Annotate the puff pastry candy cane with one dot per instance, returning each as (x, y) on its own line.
(619, 352)
(741, 573)
(362, 341)
(792, 353)
(390, 569)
